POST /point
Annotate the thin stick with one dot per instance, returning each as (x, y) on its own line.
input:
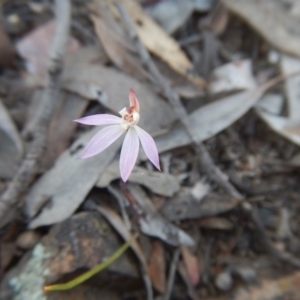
(171, 278)
(39, 125)
(121, 200)
(205, 159)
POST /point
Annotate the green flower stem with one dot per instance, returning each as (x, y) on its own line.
(85, 276)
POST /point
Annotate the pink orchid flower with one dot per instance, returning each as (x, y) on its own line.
(117, 126)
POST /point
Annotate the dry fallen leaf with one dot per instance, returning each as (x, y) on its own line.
(210, 119)
(34, 47)
(191, 263)
(118, 224)
(59, 192)
(157, 266)
(111, 88)
(158, 182)
(288, 127)
(263, 16)
(216, 223)
(158, 42)
(231, 77)
(61, 128)
(7, 252)
(7, 51)
(154, 224)
(183, 206)
(115, 45)
(291, 65)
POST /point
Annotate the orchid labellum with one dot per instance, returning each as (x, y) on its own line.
(116, 127)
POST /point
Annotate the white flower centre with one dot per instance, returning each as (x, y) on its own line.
(130, 117)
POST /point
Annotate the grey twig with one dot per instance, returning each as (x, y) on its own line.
(122, 202)
(205, 159)
(39, 125)
(172, 272)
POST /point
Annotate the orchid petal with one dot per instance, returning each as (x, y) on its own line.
(148, 145)
(129, 153)
(102, 119)
(104, 138)
(133, 101)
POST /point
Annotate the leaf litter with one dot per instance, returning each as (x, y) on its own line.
(178, 208)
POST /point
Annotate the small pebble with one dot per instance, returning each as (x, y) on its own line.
(27, 240)
(224, 281)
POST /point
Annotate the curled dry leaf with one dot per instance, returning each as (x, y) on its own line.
(158, 182)
(263, 16)
(283, 126)
(11, 147)
(291, 65)
(191, 263)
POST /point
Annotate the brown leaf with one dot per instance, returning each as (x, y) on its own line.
(216, 223)
(7, 252)
(62, 126)
(114, 45)
(191, 263)
(158, 42)
(7, 51)
(35, 46)
(157, 266)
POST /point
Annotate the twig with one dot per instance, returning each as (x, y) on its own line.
(39, 125)
(171, 278)
(205, 159)
(122, 202)
(265, 239)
